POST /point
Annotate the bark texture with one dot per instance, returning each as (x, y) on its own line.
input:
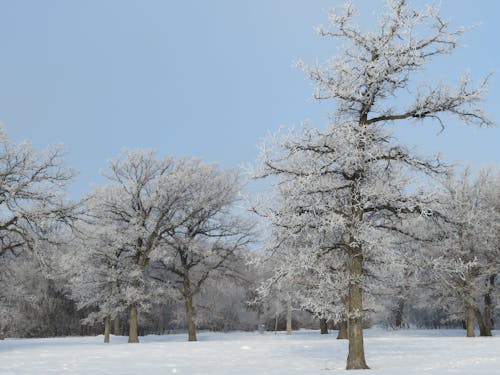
(480, 323)
(356, 357)
(107, 329)
(190, 318)
(289, 314)
(343, 334)
(116, 326)
(133, 336)
(488, 307)
(469, 321)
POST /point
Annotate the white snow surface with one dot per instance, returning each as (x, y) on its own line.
(242, 353)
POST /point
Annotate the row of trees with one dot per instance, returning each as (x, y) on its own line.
(165, 230)
(360, 228)
(160, 230)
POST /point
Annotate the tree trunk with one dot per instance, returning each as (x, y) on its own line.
(488, 326)
(343, 334)
(469, 302)
(190, 318)
(356, 356)
(323, 327)
(480, 322)
(469, 321)
(399, 314)
(133, 336)
(488, 307)
(116, 326)
(488, 320)
(107, 329)
(289, 314)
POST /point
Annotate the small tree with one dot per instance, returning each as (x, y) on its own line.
(306, 264)
(96, 271)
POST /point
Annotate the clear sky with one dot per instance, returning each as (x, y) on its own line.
(202, 78)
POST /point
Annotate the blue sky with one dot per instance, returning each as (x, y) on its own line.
(202, 78)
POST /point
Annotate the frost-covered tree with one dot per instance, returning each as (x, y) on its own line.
(209, 234)
(33, 303)
(139, 205)
(222, 303)
(32, 204)
(159, 229)
(399, 282)
(491, 255)
(303, 267)
(32, 195)
(353, 175)
(96, 271)
(336, 208)
(467, 256)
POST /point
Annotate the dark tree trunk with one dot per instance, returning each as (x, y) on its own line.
(323, 326)
(356, 356)
(107, 329)
(133, 336)
(399, 314)
(190, 318)
(469, 321)
(160, 325)
(488, 307)
(343, 334)
(116, 326)
(488, 319)
(82, 331)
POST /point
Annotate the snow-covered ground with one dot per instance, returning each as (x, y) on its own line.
(305, 352)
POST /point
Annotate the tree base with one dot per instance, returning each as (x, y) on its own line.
(357, 366)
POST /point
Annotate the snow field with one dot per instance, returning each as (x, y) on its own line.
(241, 353)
